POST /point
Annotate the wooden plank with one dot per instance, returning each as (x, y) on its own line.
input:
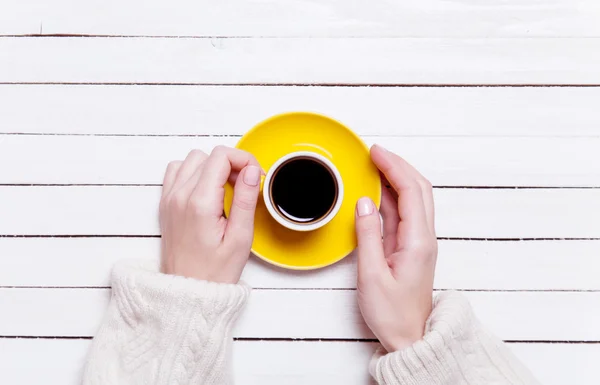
(479, 265)
(391, 111)
(460, 213)
(413, 18)
(60, 362)
(300, 61)
(329, 314)
(446, 161)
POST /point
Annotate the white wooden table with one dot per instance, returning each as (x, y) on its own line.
(497, 102)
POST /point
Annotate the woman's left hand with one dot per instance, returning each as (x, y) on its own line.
(395, 277)
(197, 240)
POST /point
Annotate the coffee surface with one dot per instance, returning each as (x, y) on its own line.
(303, 190)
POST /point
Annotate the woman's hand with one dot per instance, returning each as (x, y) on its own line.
(395, 277)
(197, 240)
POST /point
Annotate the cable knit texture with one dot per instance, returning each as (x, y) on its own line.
(456, 350)
(163, 329)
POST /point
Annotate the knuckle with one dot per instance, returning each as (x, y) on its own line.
(198, 206)
(178, 201)
(251, 157)
(369, 229)
(415, 185)
(244, 202)
(173, 165)
(425, 184)
(196, 153)
(425, 247)
(239, 241)
(162, 207)
(368, 276)
(220, 149)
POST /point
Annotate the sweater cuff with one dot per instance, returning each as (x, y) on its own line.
(144, 295)
(432, 360)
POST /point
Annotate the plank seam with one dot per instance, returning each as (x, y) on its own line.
(258, 339)
(130, 135)
(158, 236)
(371, 85)
(436, 136)
(328, 37)
(331, 289)
(435, 187)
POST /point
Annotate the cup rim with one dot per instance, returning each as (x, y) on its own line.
(286, 222)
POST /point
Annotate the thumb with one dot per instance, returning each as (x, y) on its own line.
(240, 225)
(371, 257)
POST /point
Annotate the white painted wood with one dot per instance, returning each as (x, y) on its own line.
(332, 314)
(462, 213)
(554, 143)
(446, 161)
(392, 111)
(482, 265)
(60, 362)
(301, 61)
(42, 362)
(414, 18)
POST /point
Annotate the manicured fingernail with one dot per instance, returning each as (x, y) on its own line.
(252, 176)
(364, 207)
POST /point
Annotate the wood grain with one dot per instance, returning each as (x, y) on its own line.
(446, 161)
(468, 265)
(433, 18)
(60, 362)
(300, 61)
(461, 213)
(213, 70)
(380, 111)
(328, 314)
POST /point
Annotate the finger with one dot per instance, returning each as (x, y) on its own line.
(428, 201)
(221, 162)
(216, 171)
(387, 185)
(411, 207)
(194, 159)
(189, 186)
(371, 258)
(391, 219)
(170, 175)
(426, 190)
(233, 177)
(240, 224)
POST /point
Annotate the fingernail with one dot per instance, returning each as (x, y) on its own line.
(252, 176)
(364, 207)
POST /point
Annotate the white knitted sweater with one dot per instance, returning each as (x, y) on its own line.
(162, 329)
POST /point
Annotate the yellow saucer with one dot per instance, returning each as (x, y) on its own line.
(304, 131)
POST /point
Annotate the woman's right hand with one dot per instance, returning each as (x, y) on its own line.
(395, 277)
(197, 240)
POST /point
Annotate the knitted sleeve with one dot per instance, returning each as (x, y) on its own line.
(163, 329)
(456, 350)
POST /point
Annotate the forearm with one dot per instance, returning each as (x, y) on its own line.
(456, 350)
(164, 329)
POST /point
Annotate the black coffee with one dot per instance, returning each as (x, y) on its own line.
(303, 190)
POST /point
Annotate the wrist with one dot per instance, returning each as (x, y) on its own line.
(401, 341)
(440, 355)
(404, 334)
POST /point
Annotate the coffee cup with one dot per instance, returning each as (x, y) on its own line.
(303, 191)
